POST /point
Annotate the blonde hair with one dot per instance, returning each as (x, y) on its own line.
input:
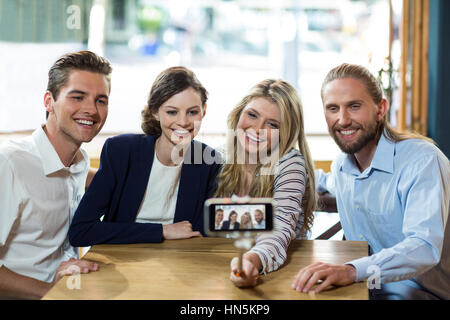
(375, 90)
(249, 223)
(291, 135)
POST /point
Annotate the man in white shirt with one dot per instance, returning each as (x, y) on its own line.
(44, 177)
(219, 219)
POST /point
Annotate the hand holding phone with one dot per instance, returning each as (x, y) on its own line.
(250, 268)
(240, 218)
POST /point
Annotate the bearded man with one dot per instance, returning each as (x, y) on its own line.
(391, 189)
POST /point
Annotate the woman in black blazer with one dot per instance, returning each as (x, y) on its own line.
(232, 220)
(125, 191)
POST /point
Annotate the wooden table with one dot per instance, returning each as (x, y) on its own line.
(199, 269)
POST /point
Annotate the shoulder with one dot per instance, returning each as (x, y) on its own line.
(128, 142)
(204, 146)
(5, 155)
(203, 154)
(291, 159)
(12, 151)
(417, 151)
(130, 138)
(290, 168)
(415, 148)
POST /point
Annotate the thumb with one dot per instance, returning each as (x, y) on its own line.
(234, 264)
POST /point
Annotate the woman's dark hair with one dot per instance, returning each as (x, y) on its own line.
(167, 84)
(232, 213)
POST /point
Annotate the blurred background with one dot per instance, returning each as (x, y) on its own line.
(230, 45)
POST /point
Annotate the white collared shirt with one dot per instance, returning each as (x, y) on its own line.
(38, 197)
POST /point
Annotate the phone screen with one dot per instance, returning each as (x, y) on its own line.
(240, 217)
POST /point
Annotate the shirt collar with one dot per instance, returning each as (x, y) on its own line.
(383, 159)
(50, 159)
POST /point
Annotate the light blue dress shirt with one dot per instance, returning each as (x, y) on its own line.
(399, 205)
(261, 225)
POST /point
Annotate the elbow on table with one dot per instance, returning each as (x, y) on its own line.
(77, 235)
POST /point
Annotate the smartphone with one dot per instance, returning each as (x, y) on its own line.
(222, 216)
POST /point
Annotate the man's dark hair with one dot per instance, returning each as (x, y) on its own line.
(81, 60)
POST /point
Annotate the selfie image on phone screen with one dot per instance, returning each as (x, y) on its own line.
(240, 217)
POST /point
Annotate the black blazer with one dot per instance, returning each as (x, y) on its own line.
(226, 225)
(118, 189)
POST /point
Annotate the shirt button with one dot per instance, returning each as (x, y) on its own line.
(360, 236)
(357, 206)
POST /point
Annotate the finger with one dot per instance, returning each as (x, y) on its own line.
(66, 272)
(85, 265)
(297, 278)
(327, 282)
(187, 223)
(236, 270)
(91, 266)
(249, 273)
(196, 234)
(316, 276)
(243, 282)
(237, 281)
(234, 264)
(305, 273)
(303, 279)
(249, 268)
(88, 265)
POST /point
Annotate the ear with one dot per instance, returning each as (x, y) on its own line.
(48, 101)
(156, 116)
(383, 107)
(204, 110)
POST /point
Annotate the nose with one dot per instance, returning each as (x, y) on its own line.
(259, 127)
(344, 119)
(90, 107)
(183, 120)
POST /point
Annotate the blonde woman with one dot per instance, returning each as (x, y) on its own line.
(246, 221)
(268, 156)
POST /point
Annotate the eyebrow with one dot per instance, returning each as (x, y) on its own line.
(104, 96)
(348, 103)
(173, 107)
(77, 92)
(254, 111)
(353, 102)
